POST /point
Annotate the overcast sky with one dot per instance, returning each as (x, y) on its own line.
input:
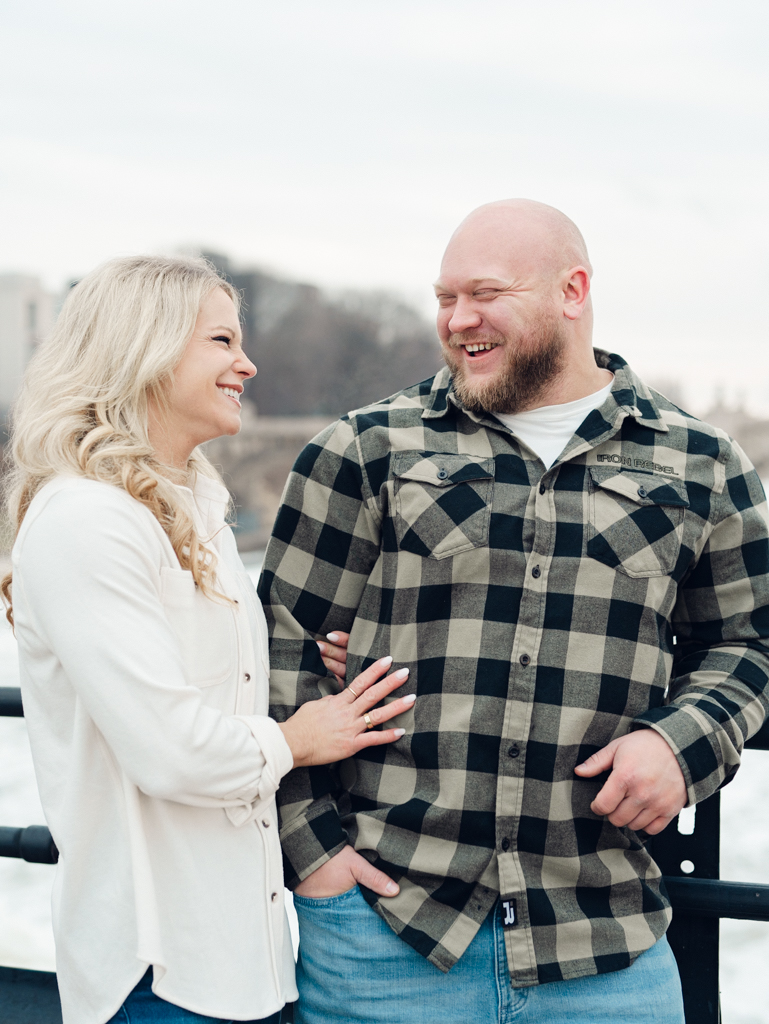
(340, 141)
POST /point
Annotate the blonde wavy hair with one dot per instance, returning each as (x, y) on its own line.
(84, 403)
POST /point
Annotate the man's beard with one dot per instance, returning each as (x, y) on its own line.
(533, 361)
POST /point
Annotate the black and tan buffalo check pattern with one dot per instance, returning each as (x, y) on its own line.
(541, 614)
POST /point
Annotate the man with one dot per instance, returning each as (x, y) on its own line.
(576, 574)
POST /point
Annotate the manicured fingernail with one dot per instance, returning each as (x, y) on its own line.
(409, 698)
(391, 887)
(333, 637)
(321, 647)
(399, 733)
(401, 673)
(386, 661)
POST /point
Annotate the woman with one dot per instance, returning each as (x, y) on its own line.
(143, 655)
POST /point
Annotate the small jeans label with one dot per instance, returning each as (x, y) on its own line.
(509, 915)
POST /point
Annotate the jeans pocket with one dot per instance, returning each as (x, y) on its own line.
(325, 902)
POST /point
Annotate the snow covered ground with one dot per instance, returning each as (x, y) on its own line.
(25, 889)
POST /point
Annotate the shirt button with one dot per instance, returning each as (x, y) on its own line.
(542, 488)
(642, 493)
(513, 751)
(505, 844)
(247, 676)
(273, 897)
(535, 572)
(524, 660)
(265, 822)
(442, 474)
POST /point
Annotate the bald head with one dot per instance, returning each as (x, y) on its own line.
(514, 311)
(531, 236)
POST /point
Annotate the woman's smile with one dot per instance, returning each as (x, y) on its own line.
(231, 391)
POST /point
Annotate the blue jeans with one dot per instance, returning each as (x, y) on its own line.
(352, 967)
(143, 1007)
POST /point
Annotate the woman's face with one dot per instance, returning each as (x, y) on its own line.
(203, 400)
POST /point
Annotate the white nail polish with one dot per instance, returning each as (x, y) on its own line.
(400, 732)
(386, 661)
(333, 637)
(401, 673)
(410, 698)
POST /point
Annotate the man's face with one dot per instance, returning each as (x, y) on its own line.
(500, 326)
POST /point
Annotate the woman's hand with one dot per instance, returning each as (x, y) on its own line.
(333, 650)
(338, 726)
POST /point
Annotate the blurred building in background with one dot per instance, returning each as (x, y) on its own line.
(26, 317)
(751, 432)
(255, 464)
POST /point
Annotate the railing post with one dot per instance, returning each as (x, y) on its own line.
(694, 939)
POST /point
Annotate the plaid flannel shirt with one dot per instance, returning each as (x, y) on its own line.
(542, 613)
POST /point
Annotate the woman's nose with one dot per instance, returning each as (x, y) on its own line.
(245, 367)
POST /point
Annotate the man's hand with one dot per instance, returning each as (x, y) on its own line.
(341, 873)
(646, 788)
(334, 654)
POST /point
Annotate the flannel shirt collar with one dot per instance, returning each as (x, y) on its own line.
(628, 394)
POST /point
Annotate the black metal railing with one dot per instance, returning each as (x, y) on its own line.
(26, 997)
(689, 863)
(10, 702)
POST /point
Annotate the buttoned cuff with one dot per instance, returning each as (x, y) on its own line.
(705, 753)
(278, 761)
(310, 840)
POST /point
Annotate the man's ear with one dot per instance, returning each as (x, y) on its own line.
(576, 288)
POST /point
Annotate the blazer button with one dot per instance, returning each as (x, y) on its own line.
(273, 897)
(247, 676)
(265, 822)
(524, 660)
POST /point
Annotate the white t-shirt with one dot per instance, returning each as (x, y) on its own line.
(548, 430)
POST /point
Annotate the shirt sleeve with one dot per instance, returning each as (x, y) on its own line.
(87, 574)
(324, 546)
(719, 695)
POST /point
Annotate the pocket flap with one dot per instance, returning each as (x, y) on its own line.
(643, 488)
(177, 587)
(441, 470)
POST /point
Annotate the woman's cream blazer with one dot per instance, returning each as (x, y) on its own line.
(146, 704)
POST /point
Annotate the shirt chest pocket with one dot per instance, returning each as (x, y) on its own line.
(442, 503)
(636, 521)
(204, 628)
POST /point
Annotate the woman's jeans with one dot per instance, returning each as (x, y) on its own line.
(352, 967)
(143, 1007)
